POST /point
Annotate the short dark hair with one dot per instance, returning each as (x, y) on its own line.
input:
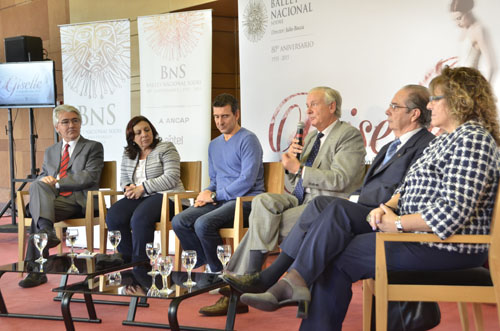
(131, 150)
(418, 97)
(225, 99)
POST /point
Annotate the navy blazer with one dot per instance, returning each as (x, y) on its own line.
(381, 181)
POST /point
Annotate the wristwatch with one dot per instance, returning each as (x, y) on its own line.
(213, 195)
(399, 226)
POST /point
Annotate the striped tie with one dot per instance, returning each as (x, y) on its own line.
(393, 148)
(299, 189)
(64, 167)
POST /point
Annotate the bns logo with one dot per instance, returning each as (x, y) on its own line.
(254, 20)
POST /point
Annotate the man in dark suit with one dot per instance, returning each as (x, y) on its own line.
(70, 169)
(408, 117)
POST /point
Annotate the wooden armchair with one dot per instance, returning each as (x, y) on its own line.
(477, 285)
(107, 181)
(191, 179)
(273, 183)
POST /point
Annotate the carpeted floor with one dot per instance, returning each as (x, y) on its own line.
(39, 300)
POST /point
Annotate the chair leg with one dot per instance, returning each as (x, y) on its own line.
(381, 307)
(177, 259)
(89, 232)
(464, 317)
(478, 316)
(59, 235)
(164, 242)
(21, 241)
(103, 236)
(367, 303)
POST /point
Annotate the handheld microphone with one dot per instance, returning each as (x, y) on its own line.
(300, 135)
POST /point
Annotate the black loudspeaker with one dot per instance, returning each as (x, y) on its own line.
(23, 49)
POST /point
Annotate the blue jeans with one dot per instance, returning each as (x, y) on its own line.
(198, 229)
(136, 221)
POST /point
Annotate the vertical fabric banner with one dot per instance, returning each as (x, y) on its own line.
(175, 53)
(96, 80)
(367, 50)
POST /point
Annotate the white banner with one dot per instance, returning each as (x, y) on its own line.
(366, 50)
(176, 73)
(96, 80)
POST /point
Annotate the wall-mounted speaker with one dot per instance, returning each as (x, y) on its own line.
(23, 49)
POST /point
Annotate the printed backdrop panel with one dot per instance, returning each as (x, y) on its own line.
(176, 74)
(96, 80)
(367, 50)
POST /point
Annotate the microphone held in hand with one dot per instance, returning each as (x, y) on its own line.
(300, 135)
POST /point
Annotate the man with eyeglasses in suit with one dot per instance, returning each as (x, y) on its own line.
(70, 169)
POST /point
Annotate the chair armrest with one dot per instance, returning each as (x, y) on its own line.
(238, 212)
(430, 237)
(183, 195)
(382, 238)
(186, 195)
(109, 192)
(246, 198)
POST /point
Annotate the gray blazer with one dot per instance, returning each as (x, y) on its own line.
(84, 168)
(163, 169)
(338, 168)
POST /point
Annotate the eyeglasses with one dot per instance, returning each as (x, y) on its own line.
(435, 97)
(395, 107)
(74, 121)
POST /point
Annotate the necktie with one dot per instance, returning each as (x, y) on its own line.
(299, 189)
(64, 167)
(393, 147)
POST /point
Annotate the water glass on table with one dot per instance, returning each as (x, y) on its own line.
(152, 251)
(189, 261)
(40, 241)
(224, 255)
(71, 236)
(115, 237)
(165, 266)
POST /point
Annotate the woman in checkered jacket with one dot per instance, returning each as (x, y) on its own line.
(449, 190)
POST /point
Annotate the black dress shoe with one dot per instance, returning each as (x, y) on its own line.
(221, 306)
(246, 283)
(33, 279)
(52, 240)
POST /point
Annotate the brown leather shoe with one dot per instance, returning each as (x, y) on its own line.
(225, 291)
(221, 306)
(250, 283)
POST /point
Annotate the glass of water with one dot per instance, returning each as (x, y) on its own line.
(115, 237)
(189, 261)
(71, 236)
(40, 241)
(165, 266)
(152, 251)
(224, 255)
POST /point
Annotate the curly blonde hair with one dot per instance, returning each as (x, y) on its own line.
(469, 97)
